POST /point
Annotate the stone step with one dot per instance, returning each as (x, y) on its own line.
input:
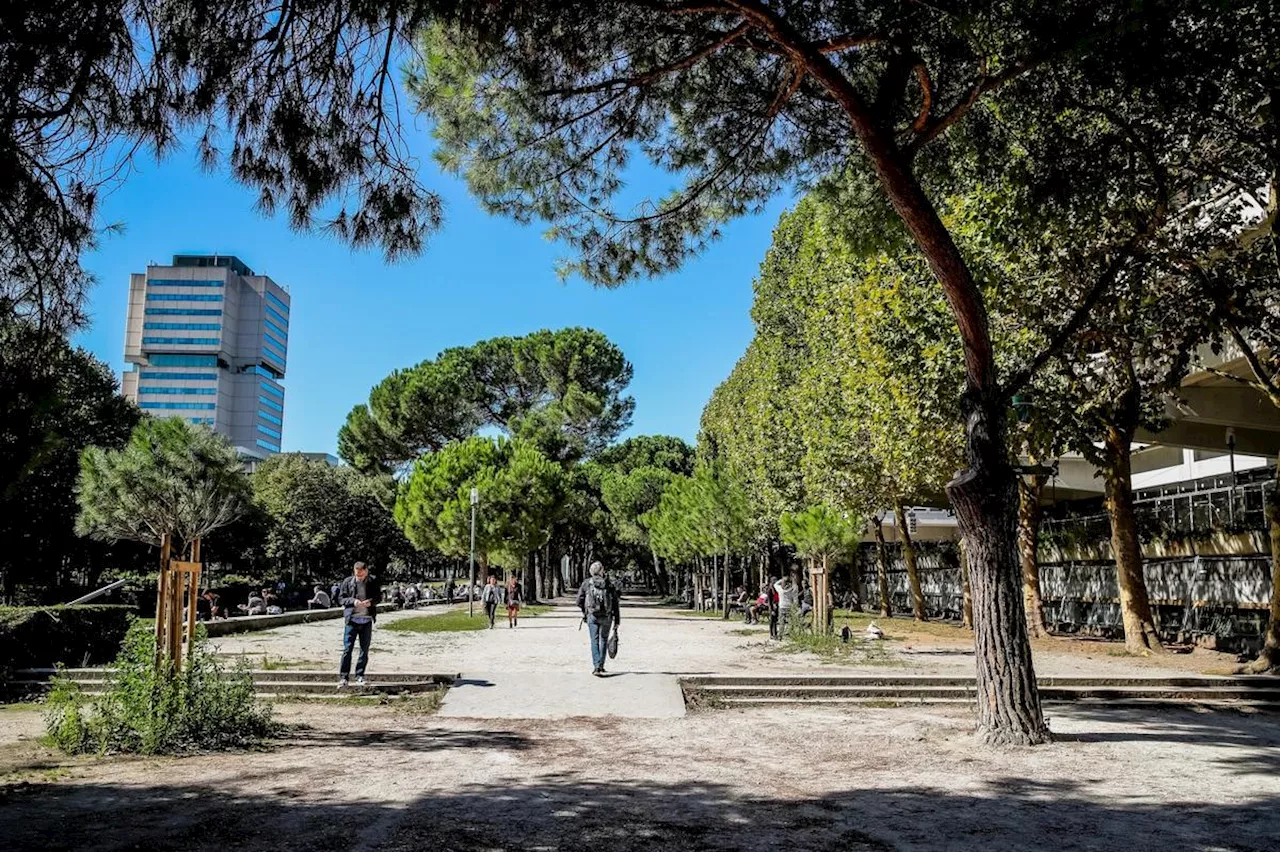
(768, 701)
(1201, 681)
(1059, 693)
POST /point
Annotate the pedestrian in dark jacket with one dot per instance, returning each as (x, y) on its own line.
(600, 602)
(359, 595)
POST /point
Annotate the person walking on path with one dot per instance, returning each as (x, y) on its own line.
(515, 597)
(490, 597)
(359, 595)
(600, 602)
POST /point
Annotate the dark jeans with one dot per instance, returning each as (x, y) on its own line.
(773, 623)
(491, 609)
(599, 631)
(353, 632)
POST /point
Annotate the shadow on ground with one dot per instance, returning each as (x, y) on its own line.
(562, 812)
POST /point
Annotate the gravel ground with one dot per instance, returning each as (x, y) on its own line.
(757, 779)
(352, 776)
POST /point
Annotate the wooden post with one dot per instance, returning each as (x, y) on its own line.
(193, 592)
(162, 598)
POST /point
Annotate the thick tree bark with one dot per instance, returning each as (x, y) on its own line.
(909, 557)
(1140, 635)
(882, 569)
(985, 500)
(1268, 659)
(966, 593)
(1030, 513)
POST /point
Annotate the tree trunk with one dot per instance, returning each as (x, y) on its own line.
(985, 499)
(909, 557)
(1269, 657)
(1140, 635)
(966, 593)
(724, 599)
(882, 570)
(1029, 514)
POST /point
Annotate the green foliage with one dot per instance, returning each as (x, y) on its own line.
(561, 390)
(700, 515)
(656, 451)
(820, 531)
(455, 621)
(149, 711)
(172, 477)
(296, 107)
(520, 497)
(54, 401)
(38, 636)
(323, 518)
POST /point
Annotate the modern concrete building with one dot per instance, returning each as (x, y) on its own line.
(207, 340)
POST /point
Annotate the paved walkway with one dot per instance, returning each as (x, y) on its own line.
(563, 695)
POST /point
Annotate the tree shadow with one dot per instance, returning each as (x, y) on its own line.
(564, 811)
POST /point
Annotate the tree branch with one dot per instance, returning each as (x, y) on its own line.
(654, 73)
(1266, 380)
(1068, 330)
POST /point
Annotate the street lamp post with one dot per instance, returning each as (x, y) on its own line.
(471, 590)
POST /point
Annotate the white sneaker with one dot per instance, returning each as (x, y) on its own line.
(359, 681)
(342, 683)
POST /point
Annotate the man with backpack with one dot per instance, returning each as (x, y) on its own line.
(599, 600)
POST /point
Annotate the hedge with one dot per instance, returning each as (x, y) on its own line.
(38, 636)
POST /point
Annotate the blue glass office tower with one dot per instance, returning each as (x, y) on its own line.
(208, 340)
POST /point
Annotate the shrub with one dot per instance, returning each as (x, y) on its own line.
(71, 635)
(202, 708)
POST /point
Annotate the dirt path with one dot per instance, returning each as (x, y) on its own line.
(762, 779)
(659, 640)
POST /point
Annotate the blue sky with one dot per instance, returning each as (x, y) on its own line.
(355, 318)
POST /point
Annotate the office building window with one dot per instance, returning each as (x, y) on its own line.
(183, 360)
(180, 341)
(269, 324)
(273, 352)
(271, 418)
(192, 391)
(181, 312)
(202, 421)
(272, 432)
(183, 326)
(175, 282)
(284, 322)
(267, 445)
(273, 342)
(179, 377)
(184, 297)
(272, 389)
(270, 404)
(195, 406)
(279, 304)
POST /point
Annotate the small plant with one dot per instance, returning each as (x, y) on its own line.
(148, 711)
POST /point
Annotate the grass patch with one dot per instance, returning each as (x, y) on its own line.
(829, 646)
(693, 613)
(749, 631)
(457, 620)
(276, 664)
(896, 629)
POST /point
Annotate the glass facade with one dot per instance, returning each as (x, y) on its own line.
(179, 377)
(178, 282)
(180, 341)
(272, 432)
(183, 360)
(273, 327)
(183, 326)
(271, 297)
(272, 389)
(184, 297)
(278, 318)
(201, 406)
(267, 445)
(271, 418)
(276, 343)
(183, 312)
(271, 404)
(173, 391)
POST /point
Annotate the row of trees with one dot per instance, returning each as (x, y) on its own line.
(1103, 133)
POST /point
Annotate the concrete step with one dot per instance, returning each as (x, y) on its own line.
(764, 701)
(93, 682)
(1201, 681)
(920, 693)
